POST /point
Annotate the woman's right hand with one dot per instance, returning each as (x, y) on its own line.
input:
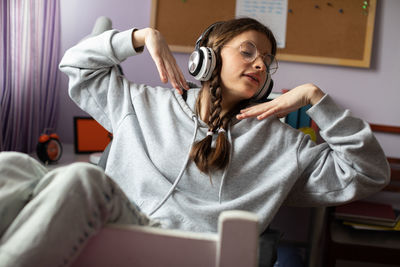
(162, 56)
(281, 106)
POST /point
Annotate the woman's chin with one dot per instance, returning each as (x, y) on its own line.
(248, 93)
(251, 93)
(244, 93)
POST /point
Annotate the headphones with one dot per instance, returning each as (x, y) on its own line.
(49, 148)
(202, 63)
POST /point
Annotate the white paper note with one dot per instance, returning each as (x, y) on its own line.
(272, 13)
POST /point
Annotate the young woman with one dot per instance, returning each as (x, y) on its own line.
(182, 156)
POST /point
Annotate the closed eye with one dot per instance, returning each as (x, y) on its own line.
(246, 54)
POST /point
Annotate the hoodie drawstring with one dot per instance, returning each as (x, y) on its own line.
(228, 132)
(178, 178)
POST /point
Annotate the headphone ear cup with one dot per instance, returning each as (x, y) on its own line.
(195, 62)
(269, 89)
(202, 63)
(265, 91)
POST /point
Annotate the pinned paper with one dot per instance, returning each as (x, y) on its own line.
(272, 13)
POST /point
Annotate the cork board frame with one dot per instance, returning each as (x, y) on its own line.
(333, 32)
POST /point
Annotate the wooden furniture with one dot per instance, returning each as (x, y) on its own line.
(347, 243)
(235, 244)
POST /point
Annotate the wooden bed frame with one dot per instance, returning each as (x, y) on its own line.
(235, 244)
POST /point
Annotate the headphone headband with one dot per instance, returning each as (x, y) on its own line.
(206, 33)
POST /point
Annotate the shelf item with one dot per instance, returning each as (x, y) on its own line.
(368, 213)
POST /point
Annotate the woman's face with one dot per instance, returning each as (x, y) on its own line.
(242, 79)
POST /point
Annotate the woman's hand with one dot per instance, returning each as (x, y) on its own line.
(162, 56)
(281, 106)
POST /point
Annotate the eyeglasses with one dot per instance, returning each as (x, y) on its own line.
(249, 53)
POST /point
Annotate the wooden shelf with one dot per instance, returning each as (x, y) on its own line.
(385, 128)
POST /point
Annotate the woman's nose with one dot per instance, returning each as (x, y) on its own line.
(259, 63)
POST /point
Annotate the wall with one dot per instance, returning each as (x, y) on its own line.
(372, 94)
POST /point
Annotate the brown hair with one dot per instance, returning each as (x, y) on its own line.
(203, 154)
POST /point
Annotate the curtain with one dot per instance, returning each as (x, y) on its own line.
(29, 55)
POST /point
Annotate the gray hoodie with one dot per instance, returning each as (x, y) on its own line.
(271, 163)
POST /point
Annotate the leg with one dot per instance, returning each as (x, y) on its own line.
(19, 174)
(68, 206)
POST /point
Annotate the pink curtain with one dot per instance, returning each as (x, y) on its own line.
(29, 55)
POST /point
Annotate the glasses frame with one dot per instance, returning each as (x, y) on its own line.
(258, 54)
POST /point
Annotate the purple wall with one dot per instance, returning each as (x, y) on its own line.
(373, 94)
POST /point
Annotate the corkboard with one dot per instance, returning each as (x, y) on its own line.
(182, 22)
(336, 32)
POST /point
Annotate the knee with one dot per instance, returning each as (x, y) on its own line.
(78, 176)
(20, 166)
(84, 169)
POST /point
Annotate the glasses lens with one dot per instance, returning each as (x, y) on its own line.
(248, 51)
(271, 63)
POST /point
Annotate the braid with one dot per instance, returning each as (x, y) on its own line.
(202, 150)
(221, 156)
(214, 120)
(206, 157)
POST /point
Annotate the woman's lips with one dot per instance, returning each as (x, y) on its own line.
(254, 77)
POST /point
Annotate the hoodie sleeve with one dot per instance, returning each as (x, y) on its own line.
(350, 165)
(96, 84)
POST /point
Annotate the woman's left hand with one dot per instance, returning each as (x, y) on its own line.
(161, 55)
(281, 106)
